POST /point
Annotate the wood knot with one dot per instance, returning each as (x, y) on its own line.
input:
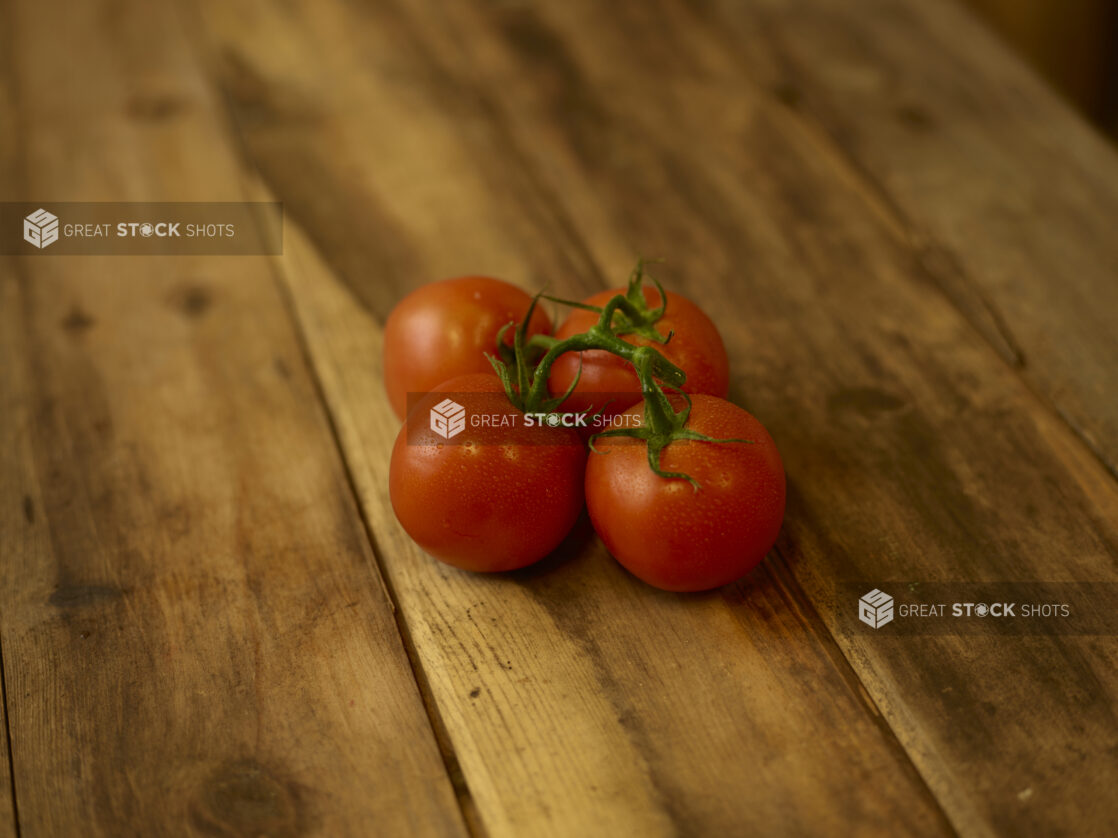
(79, 596)
(77, 321)
(192, 300)
(915, 118)
(243, 798)
(787, 94)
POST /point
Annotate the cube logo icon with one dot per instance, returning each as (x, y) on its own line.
(40, 228)
(875, 609)
(448, 418)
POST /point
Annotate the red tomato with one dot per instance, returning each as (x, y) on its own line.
(444, 329)
(664, 531)
(696, 348)
(487, 498)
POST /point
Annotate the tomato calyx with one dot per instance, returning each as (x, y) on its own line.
(662, 424)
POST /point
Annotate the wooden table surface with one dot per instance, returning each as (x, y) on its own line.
(210, 621)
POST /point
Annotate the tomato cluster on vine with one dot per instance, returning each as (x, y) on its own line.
(512, 429)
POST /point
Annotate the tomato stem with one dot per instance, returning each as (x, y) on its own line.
(629, 313)
(526, 382)
(663, 424)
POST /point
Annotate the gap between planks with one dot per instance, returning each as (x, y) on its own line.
(8, 741)
(458, 781)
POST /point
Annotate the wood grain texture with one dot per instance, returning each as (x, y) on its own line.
(195, 636)
(911, 453)
(577, 700)
(1006, 197)
(906, 242)
(9, 515)
(8, 822)
(580, 701)
(914, 451)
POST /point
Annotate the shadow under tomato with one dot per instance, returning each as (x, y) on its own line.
(573, 550)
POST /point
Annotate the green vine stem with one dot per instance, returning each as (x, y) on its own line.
(630, 313)
(524, 371)
(662, 425)
(525, 378)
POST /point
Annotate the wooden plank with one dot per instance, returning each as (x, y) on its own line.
(8, 825)
(9, 516)
(913, 452)
(578, 701)
(195, 636)
(1005, 195)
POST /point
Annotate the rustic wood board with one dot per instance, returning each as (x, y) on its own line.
(912, 454)
(889, 219)
(10, 516)
(8, 819)
(563, 133)
(1006, 198)
(577, 700)
(195, 636)
(763, 217)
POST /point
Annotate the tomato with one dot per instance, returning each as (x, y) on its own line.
(668, 534)
(489, 498)
(445, 328)
(696, 348)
